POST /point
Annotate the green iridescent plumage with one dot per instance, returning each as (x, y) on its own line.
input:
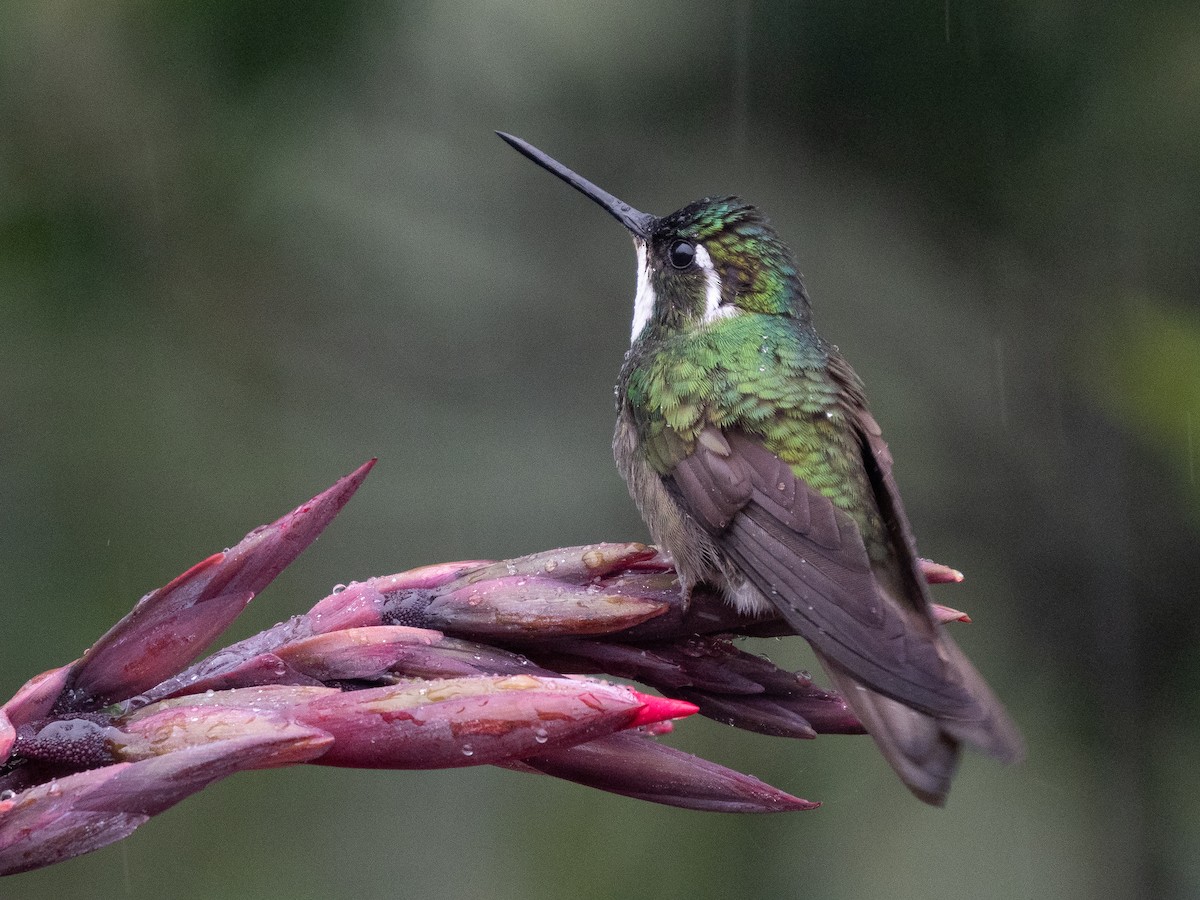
(767, 375)
(756, 269)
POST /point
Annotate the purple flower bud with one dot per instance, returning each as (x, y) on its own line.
(171, 625)
(177, 727)
(946, 614)
(371, 653)
(936, 573)
(533, 607)
(356, 653)
(471, 721)
(88, 810)
(635, 765)
(414, 725)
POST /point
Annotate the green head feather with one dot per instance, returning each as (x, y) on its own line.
(756, 270)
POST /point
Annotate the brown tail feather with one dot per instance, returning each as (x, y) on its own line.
(922, 749)
(994, 733)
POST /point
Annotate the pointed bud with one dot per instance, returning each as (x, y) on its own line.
(944, 614)
(471, 721)
(802, 717)
(936, 573)
(637, 766)
(357, 653)
(519, 605)
(371, 653)
(170, 626)
(661, 709)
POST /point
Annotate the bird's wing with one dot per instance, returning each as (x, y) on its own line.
(807, 557)
(991, 730)
(911, 588)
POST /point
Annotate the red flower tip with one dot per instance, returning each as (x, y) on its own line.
(659, 709)
(944, 614)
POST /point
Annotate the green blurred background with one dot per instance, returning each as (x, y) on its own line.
(245, 246)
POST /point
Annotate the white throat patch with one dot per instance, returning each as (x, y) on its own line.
(643, 300)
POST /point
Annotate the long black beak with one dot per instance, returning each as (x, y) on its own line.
(639, 223)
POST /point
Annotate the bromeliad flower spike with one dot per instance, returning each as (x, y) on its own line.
(747, 445)
(482, 651)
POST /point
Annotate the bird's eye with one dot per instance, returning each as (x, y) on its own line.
(682, 253)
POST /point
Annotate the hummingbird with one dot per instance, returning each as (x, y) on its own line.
(747, 445)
